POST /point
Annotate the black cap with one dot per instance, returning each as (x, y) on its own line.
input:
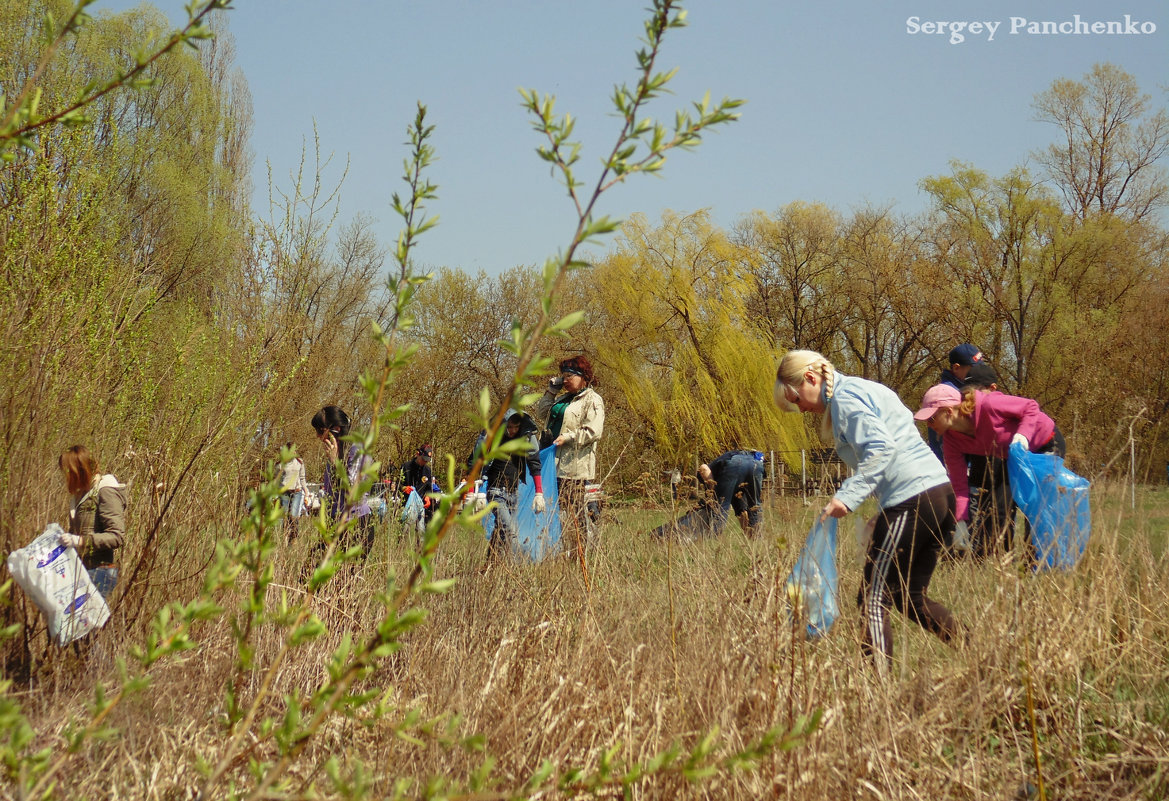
(981, 375)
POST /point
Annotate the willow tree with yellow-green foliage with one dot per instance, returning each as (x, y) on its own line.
(671, 326)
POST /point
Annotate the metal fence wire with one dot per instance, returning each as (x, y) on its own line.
(807, 472)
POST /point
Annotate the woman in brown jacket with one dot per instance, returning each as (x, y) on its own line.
(97, 516)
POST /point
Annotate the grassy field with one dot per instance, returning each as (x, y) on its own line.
(674, 642)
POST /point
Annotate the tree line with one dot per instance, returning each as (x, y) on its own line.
(1057, 272)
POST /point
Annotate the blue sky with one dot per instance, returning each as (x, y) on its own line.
(844, 104)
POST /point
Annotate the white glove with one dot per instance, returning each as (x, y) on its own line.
(538, 505)
(71, 541)
(480, 501)
(1021, 440)
(961, 536)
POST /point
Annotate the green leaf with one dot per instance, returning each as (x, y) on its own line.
(438, 587)
(309, 630)
(484, 404)
(567, 321)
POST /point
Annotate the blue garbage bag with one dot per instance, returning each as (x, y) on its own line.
(412, 510)
(538, 535)
(813, 581)
(1055, 501)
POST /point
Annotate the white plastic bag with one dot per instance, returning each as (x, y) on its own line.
(53, 577)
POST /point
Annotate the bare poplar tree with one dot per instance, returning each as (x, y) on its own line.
(1106, 160)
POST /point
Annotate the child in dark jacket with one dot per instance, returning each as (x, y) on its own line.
(504, 477)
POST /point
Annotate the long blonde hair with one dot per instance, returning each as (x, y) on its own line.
(966, 407)
(790, 373)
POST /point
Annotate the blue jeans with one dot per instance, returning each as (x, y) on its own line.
(292, 503)
(105, 579)
(503, 535)
(738, 482)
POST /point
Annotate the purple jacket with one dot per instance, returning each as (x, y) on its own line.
(354, 462)
(997, 418)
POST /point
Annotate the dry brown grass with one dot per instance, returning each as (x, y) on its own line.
(542, 670)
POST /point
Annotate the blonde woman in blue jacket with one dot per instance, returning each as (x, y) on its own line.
(874, 434)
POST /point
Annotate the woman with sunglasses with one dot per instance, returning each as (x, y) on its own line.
(875, 435)
(573, 415)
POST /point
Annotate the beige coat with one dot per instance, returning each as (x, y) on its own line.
(584, 422)
(292, 476)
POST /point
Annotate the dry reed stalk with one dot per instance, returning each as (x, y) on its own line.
(543, 669)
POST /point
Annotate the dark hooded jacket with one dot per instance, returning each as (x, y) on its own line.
(507, 474)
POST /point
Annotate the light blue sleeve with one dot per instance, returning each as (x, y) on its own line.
(861, 426)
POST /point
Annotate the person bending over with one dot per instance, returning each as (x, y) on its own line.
(736, 477)
(875, 435)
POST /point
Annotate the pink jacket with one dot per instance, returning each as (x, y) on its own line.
(997, 418)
